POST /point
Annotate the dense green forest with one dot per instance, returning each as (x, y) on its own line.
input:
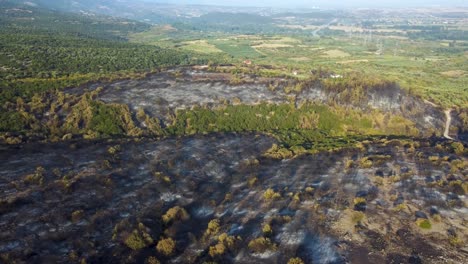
(41, 50)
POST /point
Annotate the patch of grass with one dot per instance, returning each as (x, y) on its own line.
(424, 223)
(200, 46)
(357, 217)
(365, 163)
(237, 48)
(276, 152)
(335, 54)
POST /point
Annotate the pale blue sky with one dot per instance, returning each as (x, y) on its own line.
(324, 3)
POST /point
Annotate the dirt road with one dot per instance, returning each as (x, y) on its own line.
(447, 123)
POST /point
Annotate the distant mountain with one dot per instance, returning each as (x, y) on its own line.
(30, 17)
(72, 4)
(151, 12)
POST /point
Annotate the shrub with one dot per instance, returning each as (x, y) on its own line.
(261, 244)
(456, 241)
(114, 150)
(270, 194)
(424, 223)
(213, 227)
(400, 207)
(458, 165)
(378, 181)
(217, 250)
(266, 229)
(357, 217)
(297, 197)
(77, 215)
(295, 261)
(394, 178)
(252, 181)
(276, 152)
(359, 200)
(458, 187)
(36, 178)
(365, 163)
(152, 260)
(458, 148)
(437, 218)
(228, 241)
(138, 239)
(225, 243)
(166, 246)
(162, 177)
(174, 214)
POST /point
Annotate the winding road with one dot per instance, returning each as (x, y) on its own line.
(315, 32)
(447, 124)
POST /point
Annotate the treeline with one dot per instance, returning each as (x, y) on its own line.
(37, 63)
(48, 56)
(23, 19)
(43, 50)
(234, 23)
(433, 32)
(439, 34)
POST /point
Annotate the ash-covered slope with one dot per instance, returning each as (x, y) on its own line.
(392, 201)
(159, 94)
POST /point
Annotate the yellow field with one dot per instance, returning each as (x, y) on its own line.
(299, 59)
(351, 61)
(454, 74)
(335, 53)
(201, 46)
(272, 46)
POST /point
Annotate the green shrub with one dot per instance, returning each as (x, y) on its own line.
(424, 224)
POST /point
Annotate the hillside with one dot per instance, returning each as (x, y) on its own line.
(157, 133)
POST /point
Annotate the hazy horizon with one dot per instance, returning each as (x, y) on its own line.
(325, 4)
